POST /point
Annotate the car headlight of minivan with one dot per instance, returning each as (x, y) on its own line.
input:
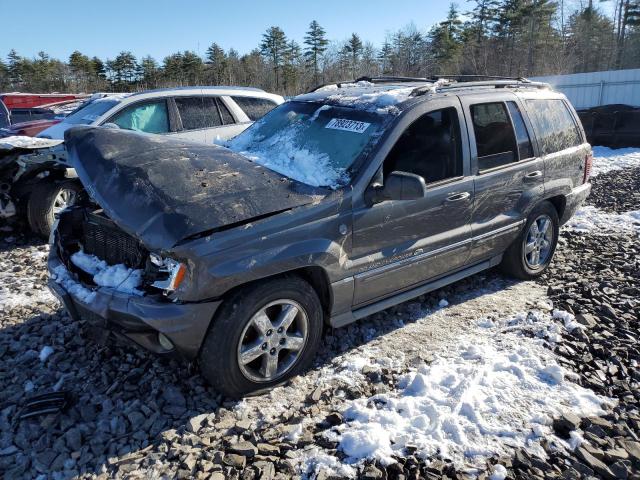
(175, 273)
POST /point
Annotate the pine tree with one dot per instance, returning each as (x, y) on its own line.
(14, 67)
(273, 46)
(316, 43)
(354, 49)
(216, 61)
(149, 72)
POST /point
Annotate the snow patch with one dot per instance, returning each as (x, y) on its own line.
(61, 275)
(118, 277)
(498, 391)
(20, 141)
(380, 101)
(590, 219)
(608, 159)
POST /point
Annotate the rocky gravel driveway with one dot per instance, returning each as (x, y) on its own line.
(128, 414)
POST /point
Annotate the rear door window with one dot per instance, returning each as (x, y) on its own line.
(148, 117)
(255, 108)
(227, 118)
(495, 138)
(211, 112)
(554, 125)
(525, 150)
(192, 113)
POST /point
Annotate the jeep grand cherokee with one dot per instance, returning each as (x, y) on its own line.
(337, 204)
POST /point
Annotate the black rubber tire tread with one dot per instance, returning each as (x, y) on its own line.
(218, 355)
(513, 262)
(40, 204)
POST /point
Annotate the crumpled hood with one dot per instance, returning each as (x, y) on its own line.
(164, 190)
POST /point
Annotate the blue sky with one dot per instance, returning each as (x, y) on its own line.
(161, 27)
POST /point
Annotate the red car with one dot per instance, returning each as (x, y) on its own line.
(31, 100)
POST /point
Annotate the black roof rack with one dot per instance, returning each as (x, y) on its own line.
(388, 79)
(473, 78)
(457, 82)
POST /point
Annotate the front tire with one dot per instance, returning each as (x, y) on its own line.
(262, 335)
(531, 253)
(48, 198)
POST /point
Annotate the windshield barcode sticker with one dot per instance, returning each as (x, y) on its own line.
(347, 125)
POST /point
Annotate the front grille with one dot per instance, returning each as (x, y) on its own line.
(106, 241)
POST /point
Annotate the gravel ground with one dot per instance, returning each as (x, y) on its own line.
(130, 414)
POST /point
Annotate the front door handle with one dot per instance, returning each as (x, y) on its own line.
(533, 177)
(457, 197)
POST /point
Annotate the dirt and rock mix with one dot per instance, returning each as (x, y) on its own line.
(487, 378)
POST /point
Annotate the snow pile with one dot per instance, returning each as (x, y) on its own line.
(61, 275)
(607, 159)
(20, 141)
(281, 155)
(591, 219)
(497, 391)
(119, 277)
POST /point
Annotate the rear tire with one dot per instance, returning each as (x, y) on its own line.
(262, 335)
(48, 198)
(531, 253)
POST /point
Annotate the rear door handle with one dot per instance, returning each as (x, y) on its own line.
(457, 197)
(533, 177)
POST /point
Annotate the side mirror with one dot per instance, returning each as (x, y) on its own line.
(398, 186)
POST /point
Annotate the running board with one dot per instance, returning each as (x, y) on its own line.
(350, 317)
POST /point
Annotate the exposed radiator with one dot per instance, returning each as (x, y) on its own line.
(106, 241)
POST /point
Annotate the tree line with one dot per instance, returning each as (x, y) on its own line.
(496, 37)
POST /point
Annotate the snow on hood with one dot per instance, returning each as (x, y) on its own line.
(18, 141)
(179, 188)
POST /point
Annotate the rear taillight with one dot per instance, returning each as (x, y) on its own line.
(588, 161)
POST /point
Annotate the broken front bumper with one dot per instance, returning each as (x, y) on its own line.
(574, 200)
(139, 319)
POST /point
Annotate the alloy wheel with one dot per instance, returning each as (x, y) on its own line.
(273, 340)
(65, 198)
(538, 242)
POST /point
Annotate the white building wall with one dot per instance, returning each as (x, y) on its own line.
(592, 89)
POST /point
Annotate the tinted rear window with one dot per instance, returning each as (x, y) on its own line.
(255, 108)
(554, 125)
(191, 112)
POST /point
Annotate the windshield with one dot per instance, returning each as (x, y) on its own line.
(312, 143)
(90, 112)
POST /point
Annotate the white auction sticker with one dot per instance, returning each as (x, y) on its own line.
(347, 125)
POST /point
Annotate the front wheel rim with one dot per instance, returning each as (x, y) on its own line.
(272, 341)
(538, 242)
(64, 198)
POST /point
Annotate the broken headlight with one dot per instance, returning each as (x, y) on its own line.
(169, 273)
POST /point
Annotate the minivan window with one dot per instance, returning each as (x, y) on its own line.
(525, 150)
(554, 125)
(149, 117)
(255, 108)
(495, 139)
(430, 147)
(227, 118)
(211, 112)
(191, 112)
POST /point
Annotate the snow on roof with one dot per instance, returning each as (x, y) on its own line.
(363, 95)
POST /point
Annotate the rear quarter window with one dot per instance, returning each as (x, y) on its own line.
(255, 108)
(554, 125)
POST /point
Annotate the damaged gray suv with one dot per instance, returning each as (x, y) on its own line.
(337, 204)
